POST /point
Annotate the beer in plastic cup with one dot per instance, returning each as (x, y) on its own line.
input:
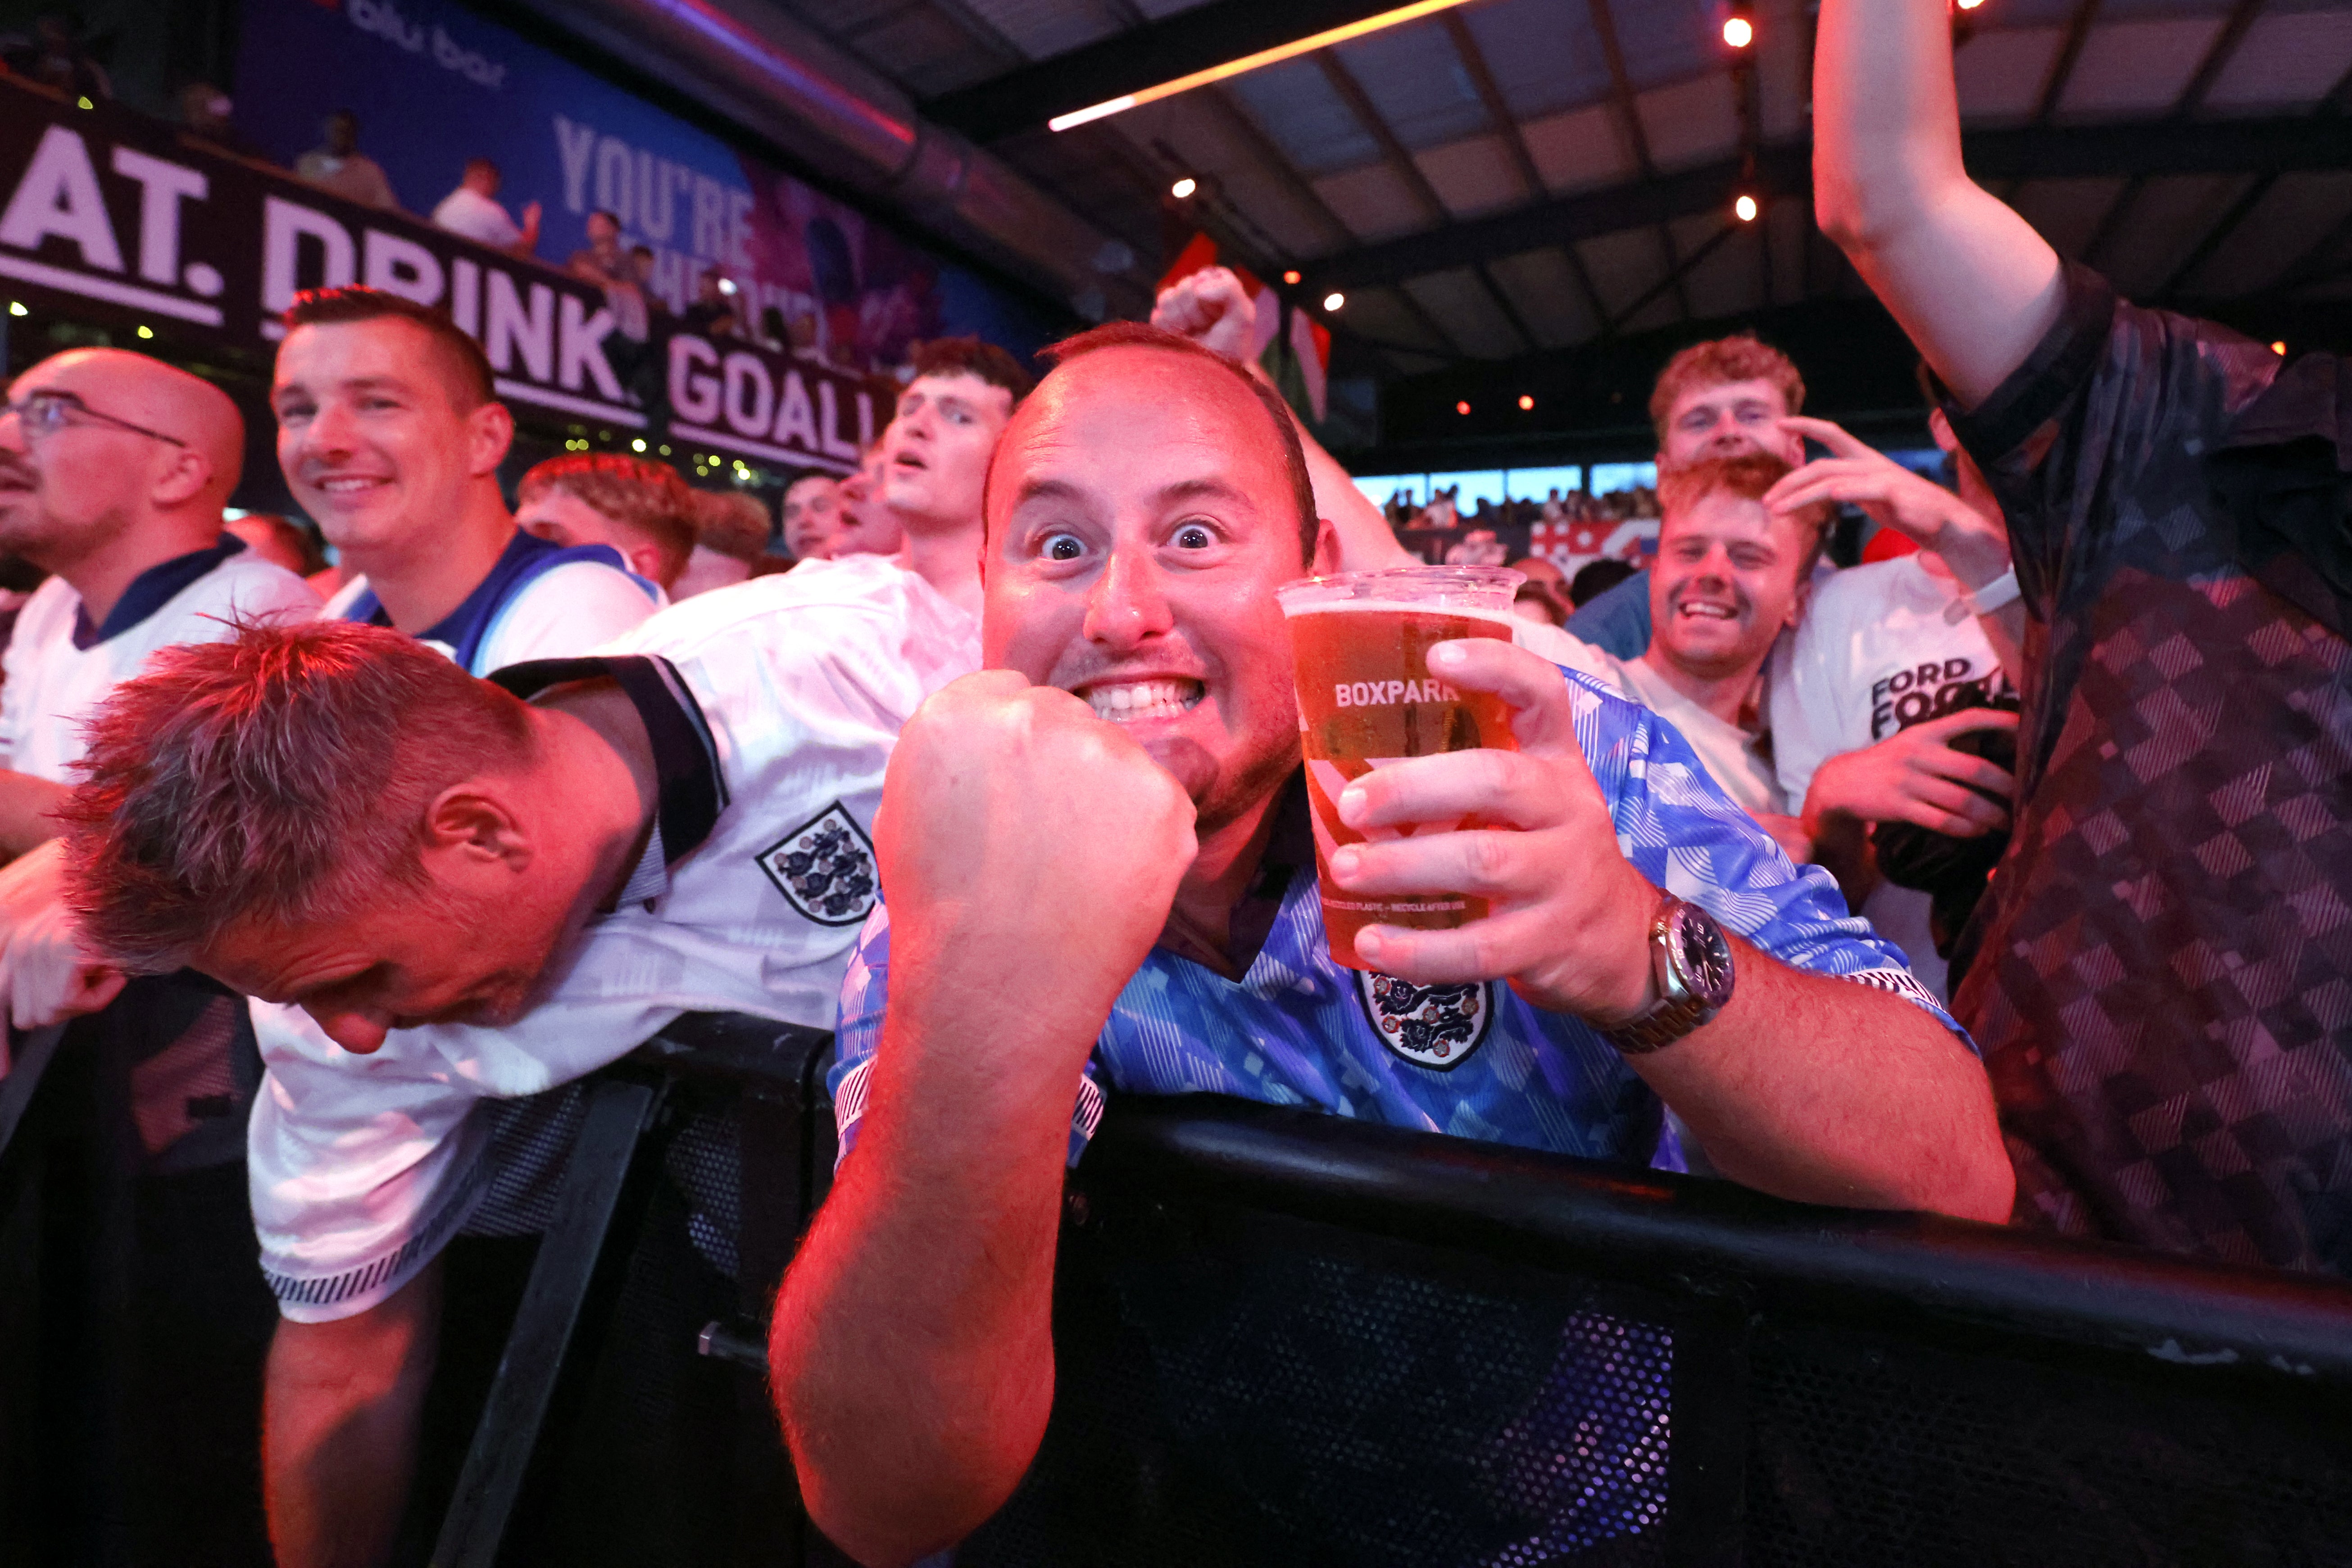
(1366, 698)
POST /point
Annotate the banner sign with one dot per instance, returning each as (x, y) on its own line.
(433, 85)
(105, 213)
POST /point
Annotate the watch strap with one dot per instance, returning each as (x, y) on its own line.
(1677, 1012)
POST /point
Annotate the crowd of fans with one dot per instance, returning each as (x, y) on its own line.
(2023, 846)
(1632, 504)
(62, 53)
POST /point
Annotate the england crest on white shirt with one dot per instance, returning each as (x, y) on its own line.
(825, 868)
(1429, 1025)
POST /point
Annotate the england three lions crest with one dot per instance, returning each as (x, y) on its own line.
(1429, 1025)
(825, 868)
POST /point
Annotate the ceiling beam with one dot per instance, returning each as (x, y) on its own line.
(1784, 171)
(2231, 32)
(2215, 236)
(1270, 157)
(1683, 269)
(1143, 57)
(1400, 162)
(1507, 126)
(1629, 119)
(2061, 67)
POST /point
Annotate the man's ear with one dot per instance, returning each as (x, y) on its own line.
(1326, 558)
(1797, 603)
(181, 477)
(489, 431)
(646, 561)
(469, 827)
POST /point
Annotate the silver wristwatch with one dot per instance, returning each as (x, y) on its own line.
(1693, 965)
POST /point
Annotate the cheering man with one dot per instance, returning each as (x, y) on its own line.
(1101, 878)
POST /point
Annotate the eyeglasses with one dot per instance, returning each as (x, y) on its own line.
(45, 412)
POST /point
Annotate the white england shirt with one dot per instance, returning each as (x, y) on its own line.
(786, 695)
(60, 668)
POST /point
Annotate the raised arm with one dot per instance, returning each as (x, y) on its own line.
(1031, 853)
(1210, 307)
(1970, 282)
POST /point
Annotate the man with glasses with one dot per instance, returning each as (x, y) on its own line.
(113, 469)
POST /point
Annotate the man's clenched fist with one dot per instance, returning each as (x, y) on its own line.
(1027, 847)
(1212, 309)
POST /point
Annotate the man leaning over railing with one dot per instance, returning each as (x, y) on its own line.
(1099, 876)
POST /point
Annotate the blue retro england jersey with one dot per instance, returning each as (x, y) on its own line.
(1475, 1061)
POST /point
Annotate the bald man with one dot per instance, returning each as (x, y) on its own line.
(113, 469)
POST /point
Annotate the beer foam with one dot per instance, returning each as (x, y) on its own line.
(1503, 618)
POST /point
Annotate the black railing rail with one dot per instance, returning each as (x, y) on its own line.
(1534, 1208)
(1284, 1338)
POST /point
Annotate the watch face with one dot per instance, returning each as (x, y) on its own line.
(1701, 956)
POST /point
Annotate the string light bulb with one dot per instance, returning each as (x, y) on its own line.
(1334, 299)
(1738, 32)
(1462, 407)
(1291, 277)
(1526, 401)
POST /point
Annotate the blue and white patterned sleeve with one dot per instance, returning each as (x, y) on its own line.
(857, 1031)
(1680, 831)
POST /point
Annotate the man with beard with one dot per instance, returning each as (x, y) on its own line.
(1724, 398)
(113, 470)
(1731, 574)
(1100, 877)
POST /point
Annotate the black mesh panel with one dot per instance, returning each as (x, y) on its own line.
(1264, 1390)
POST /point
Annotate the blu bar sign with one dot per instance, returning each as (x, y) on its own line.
(116, 216)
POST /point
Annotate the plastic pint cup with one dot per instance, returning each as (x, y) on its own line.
(1366, 698)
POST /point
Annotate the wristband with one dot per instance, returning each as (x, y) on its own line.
(1999, 594)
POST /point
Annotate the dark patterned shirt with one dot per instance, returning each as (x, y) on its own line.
(2162, 988)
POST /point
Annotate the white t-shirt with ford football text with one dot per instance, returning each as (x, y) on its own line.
(1881, 648)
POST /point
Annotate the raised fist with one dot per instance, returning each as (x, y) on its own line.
(1210, 307)
(1029, 853)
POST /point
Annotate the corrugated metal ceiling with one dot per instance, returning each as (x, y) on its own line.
(1390, 139)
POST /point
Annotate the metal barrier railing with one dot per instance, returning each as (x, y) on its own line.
(1284, 1338)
